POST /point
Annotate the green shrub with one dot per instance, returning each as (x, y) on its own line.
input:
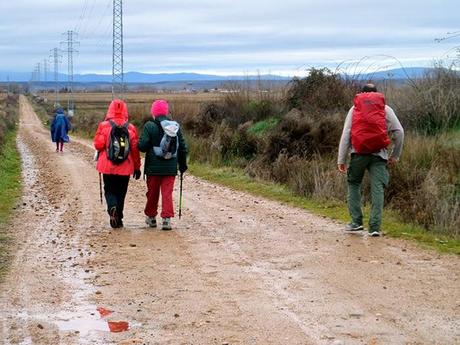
(321, 90)
(263, 127)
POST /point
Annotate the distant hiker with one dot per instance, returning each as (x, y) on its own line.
(369, 128)
(116, 142)
(59, 129)
(165, 149)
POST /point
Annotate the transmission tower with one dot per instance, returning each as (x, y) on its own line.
(38, 72)
(71, 43)
(55, 55)
(45, 70)
(117, 50)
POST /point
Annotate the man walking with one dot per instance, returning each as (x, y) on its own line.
(369, 128)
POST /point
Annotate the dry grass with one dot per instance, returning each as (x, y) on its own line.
(141, 97)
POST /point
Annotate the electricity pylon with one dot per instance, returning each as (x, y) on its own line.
(71, 43)
(45, 70)
(55, 55)
(117, 50)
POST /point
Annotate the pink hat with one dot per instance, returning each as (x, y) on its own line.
(159, 107)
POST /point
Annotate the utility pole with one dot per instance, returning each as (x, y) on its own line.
(8, 83)
(37, 76)
(56, 56)
(70, 50)
(45, 70)
(38, 71)
(117, 50)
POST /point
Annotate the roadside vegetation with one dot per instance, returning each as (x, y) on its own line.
(10, 170)
(292, 140)
(288, 138)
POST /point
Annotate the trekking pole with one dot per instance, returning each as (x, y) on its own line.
(180, 194)
(100, 187)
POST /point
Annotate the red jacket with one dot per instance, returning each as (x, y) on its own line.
(118, 113)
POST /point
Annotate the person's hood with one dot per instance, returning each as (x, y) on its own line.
(117, 111)
(160, 107)
(59, 111)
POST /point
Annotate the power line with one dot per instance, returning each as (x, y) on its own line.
(82, 15)
(104, 40)
(102, 17)
(83, 28)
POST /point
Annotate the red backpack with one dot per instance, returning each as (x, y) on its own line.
(368, 126)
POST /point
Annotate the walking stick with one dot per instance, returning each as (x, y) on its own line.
(180, 194)
(100, 187)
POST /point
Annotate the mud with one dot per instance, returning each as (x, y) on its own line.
(237, 269)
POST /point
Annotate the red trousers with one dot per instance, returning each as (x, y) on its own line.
(155, 184)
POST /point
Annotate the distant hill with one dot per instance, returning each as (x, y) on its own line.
(138, 78)
(397, 73)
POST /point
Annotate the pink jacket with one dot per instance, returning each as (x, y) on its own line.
(118, 113)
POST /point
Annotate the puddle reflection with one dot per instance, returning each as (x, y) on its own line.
(87, 325)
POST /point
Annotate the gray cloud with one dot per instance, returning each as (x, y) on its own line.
(229, 35)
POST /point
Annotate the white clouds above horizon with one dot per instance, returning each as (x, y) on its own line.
(230, 36)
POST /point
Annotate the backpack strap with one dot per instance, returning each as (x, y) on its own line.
(113, 124)
(161, 131)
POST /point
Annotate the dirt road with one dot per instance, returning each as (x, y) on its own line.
(237, 269)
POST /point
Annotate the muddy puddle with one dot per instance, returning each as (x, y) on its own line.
(99, 321)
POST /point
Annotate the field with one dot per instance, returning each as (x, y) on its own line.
(92, 107)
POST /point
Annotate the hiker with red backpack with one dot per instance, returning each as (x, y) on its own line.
(369, 128)
(165, 149)
(118, 158)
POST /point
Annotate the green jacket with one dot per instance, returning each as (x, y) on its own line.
(154, 165)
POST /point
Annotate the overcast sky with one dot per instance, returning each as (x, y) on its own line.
(231, 36)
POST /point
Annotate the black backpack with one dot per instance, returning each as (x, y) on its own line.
(119, 144)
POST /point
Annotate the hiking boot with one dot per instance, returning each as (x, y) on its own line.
(151, 221)
(113, 217)
(166, 224)
(375, 233)
(120, 223)
(352, 227)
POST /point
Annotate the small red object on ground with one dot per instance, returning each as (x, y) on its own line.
(118, 326)
(104, 312)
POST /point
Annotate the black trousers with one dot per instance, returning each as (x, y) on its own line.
(115, 188)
